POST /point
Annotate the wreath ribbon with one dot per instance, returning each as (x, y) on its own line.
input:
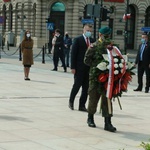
(111, 75)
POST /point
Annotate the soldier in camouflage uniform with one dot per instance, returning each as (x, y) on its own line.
(92, 58)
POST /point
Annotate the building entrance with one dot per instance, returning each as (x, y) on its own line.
(57, 16)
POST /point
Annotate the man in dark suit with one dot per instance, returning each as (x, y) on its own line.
(79, 69)
(143, 62)
(58, 50)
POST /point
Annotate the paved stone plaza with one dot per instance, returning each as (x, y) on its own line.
(34, 115)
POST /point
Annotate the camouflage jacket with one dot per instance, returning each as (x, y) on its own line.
(93, 57)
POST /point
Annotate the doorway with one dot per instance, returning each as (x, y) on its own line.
(57, 16)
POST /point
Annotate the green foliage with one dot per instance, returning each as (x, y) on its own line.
(146, 146)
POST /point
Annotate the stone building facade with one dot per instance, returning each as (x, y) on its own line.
(20, 15)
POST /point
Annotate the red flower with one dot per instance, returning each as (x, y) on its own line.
(124, 85)
(127, 76)
(102, 77)
(116, 77)
(120, 75)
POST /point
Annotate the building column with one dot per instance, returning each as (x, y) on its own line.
(75, 18)
(40, 25)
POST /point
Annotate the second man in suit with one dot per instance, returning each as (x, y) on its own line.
(143, 63)
(79, 69)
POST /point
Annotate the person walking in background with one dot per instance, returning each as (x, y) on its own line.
(67, 44)
(58, 51)
(79, 69)
(27, 51)
(143, 63)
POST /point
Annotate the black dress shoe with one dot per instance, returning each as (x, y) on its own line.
(146, 91)
(54, 69)
(137, 89)
(71, 106)
(82, 109)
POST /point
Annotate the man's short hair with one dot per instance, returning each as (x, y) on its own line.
(58, 30)
(144, 33)
(89, 25)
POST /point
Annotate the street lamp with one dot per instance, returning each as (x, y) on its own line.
(126, 28)
(99, 25)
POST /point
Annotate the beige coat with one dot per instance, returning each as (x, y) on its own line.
(27, 51)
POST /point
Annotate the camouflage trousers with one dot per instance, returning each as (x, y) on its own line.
(94, 97)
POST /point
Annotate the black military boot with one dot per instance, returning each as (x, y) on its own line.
(90, 121)
(108, 125)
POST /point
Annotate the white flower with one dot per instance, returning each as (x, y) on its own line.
(116, 60)
(122, 60)
(116, 72)
(108, 67)
(102, 66)
(130, 65)
(121, 65)
(115, 65)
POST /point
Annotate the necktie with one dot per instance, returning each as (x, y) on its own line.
(141, 51)
(87, 42)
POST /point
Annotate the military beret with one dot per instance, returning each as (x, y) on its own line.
(105, 30)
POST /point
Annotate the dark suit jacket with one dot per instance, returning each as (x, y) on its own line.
(59, 43)
(146, 54)
(79, 48)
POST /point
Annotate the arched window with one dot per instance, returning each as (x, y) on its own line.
(4, 14)
(34, 19)
(147, 17)
(11, 16)
(58, 6)
(57, 16)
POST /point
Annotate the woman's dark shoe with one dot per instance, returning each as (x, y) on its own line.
(26, 78)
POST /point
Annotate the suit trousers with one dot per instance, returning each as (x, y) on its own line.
(94, 97)
(141, 69)
(81, 79)
(58, 54)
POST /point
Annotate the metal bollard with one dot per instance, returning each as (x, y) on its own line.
(7, 46)
(43, 55)
(0, 53)
(20, 54)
